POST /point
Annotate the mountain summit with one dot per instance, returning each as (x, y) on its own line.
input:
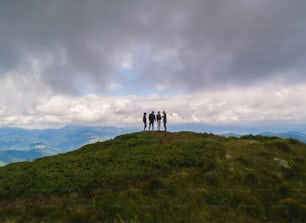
(161, 177)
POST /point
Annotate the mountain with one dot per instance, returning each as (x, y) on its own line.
(10, 156)
(161, 177)
(279, 130)
(285, 135)
(241, 128)
(291, 134)
(18, 144)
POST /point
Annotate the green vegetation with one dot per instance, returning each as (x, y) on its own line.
(161, 177)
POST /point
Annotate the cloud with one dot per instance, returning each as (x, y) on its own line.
(243, 105)
(64, 61)
(189, 45)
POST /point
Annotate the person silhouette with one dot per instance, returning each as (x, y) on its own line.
(151, 120)
(144, 119)
(158, 119)
(165, 120)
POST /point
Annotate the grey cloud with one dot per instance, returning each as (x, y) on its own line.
(85, 35)
(230, 43)
(183, 44)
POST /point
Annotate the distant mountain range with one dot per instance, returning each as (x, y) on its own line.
(10, 156)
(243, 128)
(294, 135)
(17, 144)
(282, 131)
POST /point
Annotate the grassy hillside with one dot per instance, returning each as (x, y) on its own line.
(161, 177)
(17, 144)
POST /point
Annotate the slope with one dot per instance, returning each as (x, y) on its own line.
(161, 177)
(18, 144)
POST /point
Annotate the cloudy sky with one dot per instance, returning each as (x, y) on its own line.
(105, 62)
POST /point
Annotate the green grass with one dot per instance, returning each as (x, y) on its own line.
(161, 177)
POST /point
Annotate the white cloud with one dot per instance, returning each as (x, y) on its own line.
(112, 86)
(37, 108)
(127, 62)
(218, 61)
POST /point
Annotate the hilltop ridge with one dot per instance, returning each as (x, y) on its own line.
(161, 177)
(17, 144)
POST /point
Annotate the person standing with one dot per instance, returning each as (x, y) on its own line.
(158, 119)
(165, 120)
(151, 120)
(144, 119)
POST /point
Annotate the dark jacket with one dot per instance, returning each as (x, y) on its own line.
(152, 117)
(164, 118)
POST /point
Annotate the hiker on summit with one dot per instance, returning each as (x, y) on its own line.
(165, 120)
(144, 119)
(151, 120)
(158, 119)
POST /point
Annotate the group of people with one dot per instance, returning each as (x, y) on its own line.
(152, 118)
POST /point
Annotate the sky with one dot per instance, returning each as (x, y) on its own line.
(105, 62)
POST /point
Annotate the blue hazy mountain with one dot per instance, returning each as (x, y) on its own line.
(292, 134)
(282, 130)
(17, 144)
(9, 156)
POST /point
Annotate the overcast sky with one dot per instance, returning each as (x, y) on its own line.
(105, 62)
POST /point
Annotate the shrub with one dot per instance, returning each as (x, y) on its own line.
(283, 189)
(289, 209)
(79, 215)
(213, 179)
(251, 206)
(294, 141)
(251, 179)
(279, 145)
